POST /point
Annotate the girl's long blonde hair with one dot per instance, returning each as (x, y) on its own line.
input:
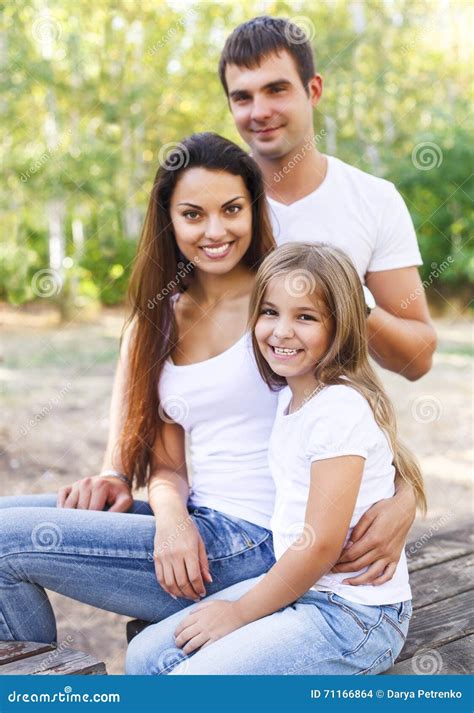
(328, 274)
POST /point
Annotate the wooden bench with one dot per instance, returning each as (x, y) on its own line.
(28, 657)
(441, 635)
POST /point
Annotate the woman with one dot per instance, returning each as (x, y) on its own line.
(186, 365)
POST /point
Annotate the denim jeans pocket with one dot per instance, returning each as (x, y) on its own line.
(225, 535)
(353, 622)
(398, 617)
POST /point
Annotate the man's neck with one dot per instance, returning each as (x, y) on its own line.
(297, 174)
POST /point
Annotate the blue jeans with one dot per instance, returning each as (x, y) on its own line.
(320, 634)
(105, 559)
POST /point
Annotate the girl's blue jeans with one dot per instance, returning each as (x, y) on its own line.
(319, 634)
(105, 559)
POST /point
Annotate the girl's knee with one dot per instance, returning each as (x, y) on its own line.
(145, 657)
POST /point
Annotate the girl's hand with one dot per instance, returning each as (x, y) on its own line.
(208, 622)
(95, 493)
(180, 558)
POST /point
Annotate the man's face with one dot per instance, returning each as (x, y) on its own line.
(272, 111)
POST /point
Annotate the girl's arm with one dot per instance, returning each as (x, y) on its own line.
(180, 557)
(332, 496)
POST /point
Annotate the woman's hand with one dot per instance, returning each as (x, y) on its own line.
(378, 539)
(95, 493)
(208, 622)
(180, 557)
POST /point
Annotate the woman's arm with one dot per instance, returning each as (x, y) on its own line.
(378, 539)
(180, 557)
(95, 492)
(332, 496)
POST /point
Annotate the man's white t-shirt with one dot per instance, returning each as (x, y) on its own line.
(359, 213)
(336, 422)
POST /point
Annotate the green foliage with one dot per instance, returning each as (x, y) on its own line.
(93, 91)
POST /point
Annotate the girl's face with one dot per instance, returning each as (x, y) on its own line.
(212, 219)
(293, 332)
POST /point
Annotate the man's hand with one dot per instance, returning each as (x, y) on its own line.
(95, 493)
(208, 622)
(378, 539)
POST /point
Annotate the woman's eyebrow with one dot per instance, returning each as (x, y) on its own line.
(232, 200)
(193, 205)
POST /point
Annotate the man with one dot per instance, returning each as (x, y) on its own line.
(268, 74)
(272, 89)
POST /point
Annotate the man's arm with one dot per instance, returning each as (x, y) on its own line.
(401, 335)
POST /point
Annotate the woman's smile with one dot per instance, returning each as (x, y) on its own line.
(217, 251)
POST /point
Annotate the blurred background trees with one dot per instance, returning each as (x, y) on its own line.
(93, 91)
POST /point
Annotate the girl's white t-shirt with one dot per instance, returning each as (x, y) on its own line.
(363, 215)
(227, 410)
(336, 422)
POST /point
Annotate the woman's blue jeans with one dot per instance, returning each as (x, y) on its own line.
(321, 634)
(105, 559)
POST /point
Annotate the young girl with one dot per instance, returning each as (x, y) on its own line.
(333, 453)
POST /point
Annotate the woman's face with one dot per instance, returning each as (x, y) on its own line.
(212, 219)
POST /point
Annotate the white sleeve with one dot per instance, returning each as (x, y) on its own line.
(341, 427)
(396, 244)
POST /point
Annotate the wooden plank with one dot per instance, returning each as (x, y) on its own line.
(16, 650)
(434, 548)
(456, 657)
(63, 662)
(442, 581)
(440, 623)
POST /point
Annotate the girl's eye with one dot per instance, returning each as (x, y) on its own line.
(268, 312)
(308, 317)
(233, 209)
(191, 214)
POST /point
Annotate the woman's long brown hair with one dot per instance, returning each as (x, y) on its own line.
(329, 275)
(161, 271)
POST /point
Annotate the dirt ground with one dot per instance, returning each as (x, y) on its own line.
(56, 383)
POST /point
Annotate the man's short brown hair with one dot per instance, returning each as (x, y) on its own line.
(253, 40)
